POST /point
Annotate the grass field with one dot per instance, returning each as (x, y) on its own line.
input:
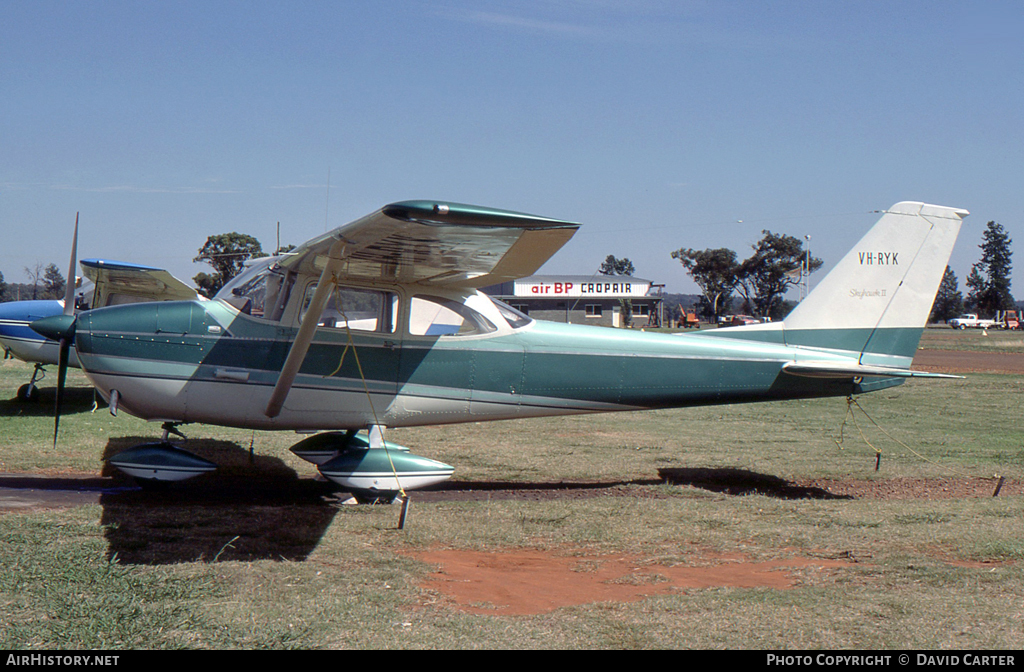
(189, 569)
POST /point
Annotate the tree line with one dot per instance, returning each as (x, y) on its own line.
(988, 285)
(758, 284)
(45, 283)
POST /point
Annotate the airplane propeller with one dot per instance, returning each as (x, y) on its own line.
(61, 328)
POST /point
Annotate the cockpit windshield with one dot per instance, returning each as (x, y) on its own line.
(255, 268)
(247, 291)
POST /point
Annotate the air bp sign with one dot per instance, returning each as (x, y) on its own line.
(611, 287)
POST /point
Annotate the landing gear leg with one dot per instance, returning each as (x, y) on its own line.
(372, 497)
(172, 428)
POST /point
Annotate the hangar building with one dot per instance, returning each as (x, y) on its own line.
(603, 300)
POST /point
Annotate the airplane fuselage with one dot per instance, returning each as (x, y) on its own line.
(209, 363)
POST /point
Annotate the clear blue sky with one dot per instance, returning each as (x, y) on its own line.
(658, 125)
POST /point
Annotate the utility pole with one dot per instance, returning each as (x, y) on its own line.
(807, 265)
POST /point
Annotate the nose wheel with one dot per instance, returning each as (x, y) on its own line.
(29, 392)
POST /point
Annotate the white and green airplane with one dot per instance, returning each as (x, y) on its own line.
(381, 323)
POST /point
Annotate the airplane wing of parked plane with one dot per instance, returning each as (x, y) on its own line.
(119, 282)
(422, 242)
(434, 243)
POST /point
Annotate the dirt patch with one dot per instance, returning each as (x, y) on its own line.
(958, 361)
(517, 582)
(918, 488)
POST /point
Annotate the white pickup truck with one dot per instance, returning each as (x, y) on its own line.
(970, 320)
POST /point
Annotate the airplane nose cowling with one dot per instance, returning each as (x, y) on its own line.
(56, 328)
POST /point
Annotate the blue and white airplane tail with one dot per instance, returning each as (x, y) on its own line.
(877, 299)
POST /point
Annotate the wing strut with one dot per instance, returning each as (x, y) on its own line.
(310, 321)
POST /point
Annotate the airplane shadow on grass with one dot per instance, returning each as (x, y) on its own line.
(728, 481)
(251, 508)
(76, 400)
(732, 481)
(257, 508)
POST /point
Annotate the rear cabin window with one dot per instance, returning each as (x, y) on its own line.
(356, 308)
(437, 316)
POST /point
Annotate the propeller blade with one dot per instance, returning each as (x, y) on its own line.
(307, 330)
(69, 291)
(65, 332)
(60, 328)
(62, 374)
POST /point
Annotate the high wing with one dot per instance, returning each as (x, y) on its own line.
(431, 242)
(424, 242)
(120, 282)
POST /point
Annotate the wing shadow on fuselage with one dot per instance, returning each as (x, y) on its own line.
(249, 509)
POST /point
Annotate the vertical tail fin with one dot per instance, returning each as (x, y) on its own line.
(877, 299)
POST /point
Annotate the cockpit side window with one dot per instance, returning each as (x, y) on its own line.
(437, 316)
(356, 308)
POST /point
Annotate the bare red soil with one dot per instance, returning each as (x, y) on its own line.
(516, 582)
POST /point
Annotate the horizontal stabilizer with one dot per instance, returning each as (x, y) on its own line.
(840, 370)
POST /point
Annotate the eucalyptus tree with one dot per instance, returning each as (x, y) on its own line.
(949, 302)
(714, 272)
(227, 254)
(778, 263)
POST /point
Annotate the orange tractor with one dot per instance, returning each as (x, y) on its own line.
(688, 319)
